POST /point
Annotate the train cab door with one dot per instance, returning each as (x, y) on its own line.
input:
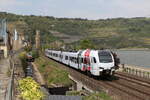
(92, 62)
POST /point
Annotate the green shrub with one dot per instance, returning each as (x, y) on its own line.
(30, 90)
(53, 74)
(35, 54)
(23, 57)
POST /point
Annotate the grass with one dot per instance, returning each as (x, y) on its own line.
(97, 96)
(92, 96)
(52, 72)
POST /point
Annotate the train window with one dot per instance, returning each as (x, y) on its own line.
(77, 60)
(82, 60)
(66, 57)
(74, 59)
(69, 58)
(94, 59)
(104, 57)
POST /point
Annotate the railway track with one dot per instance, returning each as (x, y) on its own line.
(124, 87)
(130, 89)
(139, 85)
(136, 79)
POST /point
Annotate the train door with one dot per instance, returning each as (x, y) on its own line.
(80, 63)
(80, 60)
(93, 62)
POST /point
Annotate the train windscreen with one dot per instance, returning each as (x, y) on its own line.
(104, 57)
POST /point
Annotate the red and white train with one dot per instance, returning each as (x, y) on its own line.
(94, 62)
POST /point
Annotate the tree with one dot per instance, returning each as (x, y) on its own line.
(86, 43)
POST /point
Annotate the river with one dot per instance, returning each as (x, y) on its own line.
(134, 57)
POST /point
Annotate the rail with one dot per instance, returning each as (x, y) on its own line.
(135, 71)
(10, 88)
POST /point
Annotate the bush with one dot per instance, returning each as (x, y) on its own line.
(23, 57)
(35, 54)
(28, 48)
(30, 90)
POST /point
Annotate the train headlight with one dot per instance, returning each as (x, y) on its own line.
(113, 68)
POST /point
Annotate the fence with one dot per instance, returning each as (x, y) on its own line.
(10, 88)
(136, 71)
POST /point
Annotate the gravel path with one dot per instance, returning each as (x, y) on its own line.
(4, 65)
(38, 76)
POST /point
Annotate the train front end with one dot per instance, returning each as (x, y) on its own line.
(104, 63)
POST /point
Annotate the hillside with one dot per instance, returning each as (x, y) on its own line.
(108, 33)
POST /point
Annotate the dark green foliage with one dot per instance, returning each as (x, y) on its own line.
(108, 33)
(35, 53)
(23, 57)
(86, 44)
(28, 48)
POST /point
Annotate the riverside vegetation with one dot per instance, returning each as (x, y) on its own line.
(53, 74)
(106, 33)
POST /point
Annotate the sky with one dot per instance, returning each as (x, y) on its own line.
(90, 9)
